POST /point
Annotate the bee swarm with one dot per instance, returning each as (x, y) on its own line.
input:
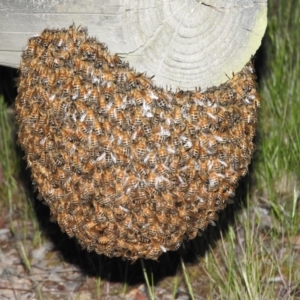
(128, 168)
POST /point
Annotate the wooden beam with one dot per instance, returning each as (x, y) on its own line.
(184, 43)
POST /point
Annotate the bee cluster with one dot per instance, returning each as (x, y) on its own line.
(128, 168)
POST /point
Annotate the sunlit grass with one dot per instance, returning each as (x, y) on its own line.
(257, 258)
(149, 281)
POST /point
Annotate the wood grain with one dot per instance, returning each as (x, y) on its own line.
(184, 43)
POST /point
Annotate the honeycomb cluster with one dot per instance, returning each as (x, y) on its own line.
(128, 168)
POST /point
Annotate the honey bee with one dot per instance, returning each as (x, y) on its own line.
(76, 83)
(180, 97)
(250, 131)
(83, 155)
(183, 154)
(30, 48)
(33, 115)
(105, 201)
(62, 76)
(103, 240)
(131, 78)
(49, 145)
(92, 140)
(161, 183)
(82, 137)
(130, 182)
(173, 223)
(212, 144)
(102, 105)
(118, 102)
(149, 98)
(76, 165)
(67, 88)
(140, 220)
(53, 63)
(59, 194)
(169, 200)
(88, 52)
(26, 97)
(43, 158)
(173, 167)
(92, 96)
(194, 113)
(111, 112)
(154, 252)
(86, 71)
(204, 125)
(96, 177)
(75, 177)
(146, 128)
(147, 213)
(161, 169)
(131, 236)
(106, 144)
(233, 178)
(106, 76)
(107, 177)
(82, 94)
(59, 108)
(120, 174)
(150, 159)
(89, 226)
(151, 179)
(249, 117)
(161, 215)
(138, 96)
(89, 166)
(100, 217)
(109, 91)
(144, 239)
(121, 120)
(127, 222)
(192, 129)
(138, 117)
(221, 137)
(177, 117)
(97, 128)
(81, 108)
(140, 150)
(33, 63)
(114, 61)
(110, 216)
(120, 215)
(141, 170)
(142, 81)
(60, 175)
(137, 133)
(99, 60)
(89, 119)
(46, 37)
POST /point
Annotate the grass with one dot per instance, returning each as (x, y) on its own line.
(8, 159)
(258, 256)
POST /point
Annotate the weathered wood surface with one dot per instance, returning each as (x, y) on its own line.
(184, 43)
